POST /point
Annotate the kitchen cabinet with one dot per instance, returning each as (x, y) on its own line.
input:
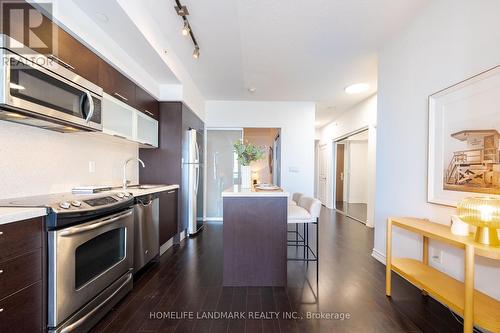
(147, 130)
(123, 121)
(22, 271)
(116, 84)
(168, 215)
(164, 164)
(146, 103)
(76, 57)
(117, 118)
(56, 43)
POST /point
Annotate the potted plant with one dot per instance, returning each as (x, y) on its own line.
(247, 153)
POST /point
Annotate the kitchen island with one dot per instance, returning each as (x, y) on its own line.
(254, 237)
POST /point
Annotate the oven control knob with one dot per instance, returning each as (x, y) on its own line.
(65, 205)
(76, 203)
(120, 195)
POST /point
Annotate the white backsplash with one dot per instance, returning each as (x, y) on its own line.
(34, 161)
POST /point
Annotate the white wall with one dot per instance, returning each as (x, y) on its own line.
(449, 41)
(362, 115)
(296, 120)
(358, 172)
(34, 161)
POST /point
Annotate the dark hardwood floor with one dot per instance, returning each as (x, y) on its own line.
(357, 211)
(189, 278)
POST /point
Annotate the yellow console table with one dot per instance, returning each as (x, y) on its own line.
(461, 297)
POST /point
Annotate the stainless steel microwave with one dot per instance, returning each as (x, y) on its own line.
(36, 90)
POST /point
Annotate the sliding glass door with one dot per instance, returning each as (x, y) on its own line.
(222, 168)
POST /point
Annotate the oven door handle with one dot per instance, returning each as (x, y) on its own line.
(77, 230)
(80, 321)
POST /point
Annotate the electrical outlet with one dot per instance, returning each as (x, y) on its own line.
(437, 256)
(91, 166)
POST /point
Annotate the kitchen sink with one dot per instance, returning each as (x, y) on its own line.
(144, 186)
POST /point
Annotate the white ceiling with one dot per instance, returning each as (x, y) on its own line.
(288, 50)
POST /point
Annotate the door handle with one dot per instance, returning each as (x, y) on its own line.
(59, 61)
(123, 98)
(93, 226)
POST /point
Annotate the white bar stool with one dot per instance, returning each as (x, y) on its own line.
(307, 212)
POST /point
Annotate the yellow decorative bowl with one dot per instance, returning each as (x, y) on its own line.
(484, 213)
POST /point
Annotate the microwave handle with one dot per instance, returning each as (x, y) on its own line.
(91, 106)
(76, 230)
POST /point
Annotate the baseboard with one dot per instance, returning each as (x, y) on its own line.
(379, 256)
(168, 244)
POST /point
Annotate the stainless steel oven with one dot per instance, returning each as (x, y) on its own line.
(38, 91)
(90, 255)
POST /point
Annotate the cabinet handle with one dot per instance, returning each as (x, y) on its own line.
(170, 192)
(1, 310)
(1, 233)
(1, 271)
(150, 113)
(64, 63)
(120, 96)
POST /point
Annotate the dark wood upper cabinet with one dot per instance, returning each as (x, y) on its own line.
(77, 57)
(146, 103)
(116, 84)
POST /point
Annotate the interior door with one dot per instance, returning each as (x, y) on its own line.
(323, 170)
(339, 174)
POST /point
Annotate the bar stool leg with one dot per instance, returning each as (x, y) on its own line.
(307, 242)
(317, 253)
(304, 241)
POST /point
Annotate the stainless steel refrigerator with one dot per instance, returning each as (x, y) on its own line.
(192, 180)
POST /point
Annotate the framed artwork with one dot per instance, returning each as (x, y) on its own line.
(464, 134)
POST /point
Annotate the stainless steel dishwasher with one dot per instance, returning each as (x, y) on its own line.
(146, 238)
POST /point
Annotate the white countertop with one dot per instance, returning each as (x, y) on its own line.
(137, 192)
(237, 191)
(14, 214)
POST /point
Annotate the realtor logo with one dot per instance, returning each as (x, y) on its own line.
(28, 25)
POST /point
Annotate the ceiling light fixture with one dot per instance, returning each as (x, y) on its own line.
(186, 29)
(183, 12)
(196, 52)
(357, 88)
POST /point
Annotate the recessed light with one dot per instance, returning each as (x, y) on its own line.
(357, 88)
(102, 17)
(252, 89)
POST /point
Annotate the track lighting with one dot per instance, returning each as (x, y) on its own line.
(196, 52)
(183, 12)
(185, 30)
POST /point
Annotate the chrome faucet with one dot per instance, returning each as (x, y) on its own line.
(125, 181)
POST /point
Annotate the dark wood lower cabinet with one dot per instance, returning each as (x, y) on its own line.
(22, 311)
(22, 276)
(168, 215)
